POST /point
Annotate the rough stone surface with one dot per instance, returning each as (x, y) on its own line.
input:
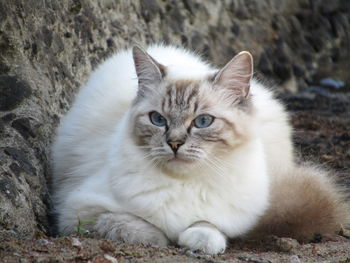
(48, 48)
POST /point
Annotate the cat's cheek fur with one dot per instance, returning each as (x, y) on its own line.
(146, 134)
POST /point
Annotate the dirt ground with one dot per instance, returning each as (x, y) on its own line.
(322, 134)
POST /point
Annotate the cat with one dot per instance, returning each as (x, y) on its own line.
(161, 148)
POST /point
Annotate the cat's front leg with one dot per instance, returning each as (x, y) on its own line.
(123, 227)
(203, 236)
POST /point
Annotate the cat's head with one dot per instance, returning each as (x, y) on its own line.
(187, 124)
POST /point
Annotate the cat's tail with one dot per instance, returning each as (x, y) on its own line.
(305, 202)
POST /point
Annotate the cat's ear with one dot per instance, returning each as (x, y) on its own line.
(149, 72)
(237, 74)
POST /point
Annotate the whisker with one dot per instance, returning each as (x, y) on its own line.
(224, 162)
(192, 156)
(216, 167)
(193, 151)
(152, 163)
(144, 146)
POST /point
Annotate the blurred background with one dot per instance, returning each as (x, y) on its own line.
(49, 47)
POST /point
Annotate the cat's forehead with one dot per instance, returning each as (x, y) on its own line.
(182, 96)
(182, 88)
(184, 84)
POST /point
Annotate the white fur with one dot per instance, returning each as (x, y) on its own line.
(207, 239)
(98, 170)
(128, 228)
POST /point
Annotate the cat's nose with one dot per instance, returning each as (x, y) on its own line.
(175, 145)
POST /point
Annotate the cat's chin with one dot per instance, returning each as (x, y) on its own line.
(178, 166)
(179, 160)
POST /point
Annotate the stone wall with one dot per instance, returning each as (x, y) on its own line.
(48, 48)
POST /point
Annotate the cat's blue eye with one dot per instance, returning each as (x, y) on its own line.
(203, 121)
(157, 119)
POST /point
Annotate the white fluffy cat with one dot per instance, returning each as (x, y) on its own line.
(161, 147)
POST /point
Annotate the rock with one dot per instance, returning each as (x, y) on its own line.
(2, 12)
(292, 259)
(44, 242)
(328, 7)
(12, 92)
(344, 232)
(253, 259)
(284, 244)
(22, 125)
(331, 83)
(110, 258)
(19, 156)
(76, 243)
(8, 189)
(149, 8)
(108, 246)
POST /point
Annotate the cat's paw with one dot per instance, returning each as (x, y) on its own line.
(147, 236)
(130, 229)
(152, 238)
(206, 239)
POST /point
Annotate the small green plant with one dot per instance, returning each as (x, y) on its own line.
(83, 227)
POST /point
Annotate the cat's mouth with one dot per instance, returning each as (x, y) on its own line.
(177, 159)
(177, 166)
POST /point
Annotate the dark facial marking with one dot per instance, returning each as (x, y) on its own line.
(193, 99)
(169, 96)
(214, 137)
(143, 133)
(181, 94)
(163, 105)
(246, 104)
(195, 106)
(190, 127)
(230, 124)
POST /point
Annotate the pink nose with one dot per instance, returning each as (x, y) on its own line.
(175, 145)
